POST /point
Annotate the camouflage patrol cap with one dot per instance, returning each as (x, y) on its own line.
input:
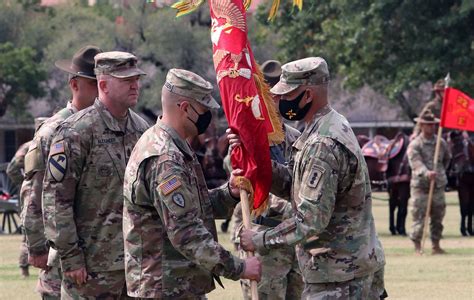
(191, 85)
(306, 71)
(117, 64)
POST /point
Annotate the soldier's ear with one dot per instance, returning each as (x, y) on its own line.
(73, 84)
(103, 85)
(308, 96)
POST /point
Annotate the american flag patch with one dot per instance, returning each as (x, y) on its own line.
(170, 185)
(57, 148)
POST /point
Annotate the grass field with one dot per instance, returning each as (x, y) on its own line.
(407, 276)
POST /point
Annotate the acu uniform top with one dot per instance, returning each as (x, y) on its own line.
(170, 236)
(83, 188)
(330, 191)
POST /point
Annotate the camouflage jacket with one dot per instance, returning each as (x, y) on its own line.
(16, 167)
(32, 188)
(171, 247)
(333, 226)
(83, 188)
(421, 158)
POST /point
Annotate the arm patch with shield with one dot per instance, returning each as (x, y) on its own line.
(57, 162)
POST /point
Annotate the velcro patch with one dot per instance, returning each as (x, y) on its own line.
(315, 175)
(178, 199)
(57, 165)
(170, 185)
(56, 148)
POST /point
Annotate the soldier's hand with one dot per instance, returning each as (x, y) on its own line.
(78, 276)
(246, 242)
(234, 139)
(39, 261)
(234, 187)
(253, 269)
(431, 175)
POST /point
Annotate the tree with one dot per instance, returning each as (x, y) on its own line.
(391, 45)
(20, 78)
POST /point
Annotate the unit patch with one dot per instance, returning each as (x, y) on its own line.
(178, 199)
(314, 176)
(57, 166)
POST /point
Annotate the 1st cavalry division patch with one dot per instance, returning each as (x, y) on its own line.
(170, 185)
(57, 163)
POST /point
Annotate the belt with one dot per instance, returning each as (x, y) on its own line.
(269, 222)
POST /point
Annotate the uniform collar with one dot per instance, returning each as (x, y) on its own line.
(179, 142)
(71, 107)
(312, 126)
(110, 121)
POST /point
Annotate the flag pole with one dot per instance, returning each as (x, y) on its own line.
(433, 181)
(244, 202)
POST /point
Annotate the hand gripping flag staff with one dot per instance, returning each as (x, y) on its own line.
(457, 113)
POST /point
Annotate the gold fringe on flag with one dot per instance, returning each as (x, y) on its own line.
(277, 136)
(274, 10)
(186, 6)
(247, 4)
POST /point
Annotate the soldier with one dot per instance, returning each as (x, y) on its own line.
(15, 171)
(434, 105)
(171, 248)
(83, 86)
(281, 275)
(327, 180)
(83, 187)
(421, 158)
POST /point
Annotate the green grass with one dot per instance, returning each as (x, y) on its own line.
(407, 276)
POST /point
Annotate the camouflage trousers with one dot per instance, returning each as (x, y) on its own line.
(370, 287)
(281, 276)
(99, 285)
(23, 259)
(202, 297)
(418, 205)
(49, 283)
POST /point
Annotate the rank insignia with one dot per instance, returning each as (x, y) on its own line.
(170, 185)
(178, 199)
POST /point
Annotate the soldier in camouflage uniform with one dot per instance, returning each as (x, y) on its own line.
(15, 171)
(421, 158)
(338, 250)
(83, 185)
(171, 247)
(434, 105)
(83, 86)
(281, 275)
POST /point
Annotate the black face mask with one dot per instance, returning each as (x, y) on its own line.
(203, 120)
(291, 110)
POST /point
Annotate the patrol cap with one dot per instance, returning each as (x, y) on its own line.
(117, 64)
(306, 71)
(191, 85)
(81, 64)
(427, 118)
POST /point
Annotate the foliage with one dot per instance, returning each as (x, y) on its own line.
(391, 45)
(20, 77)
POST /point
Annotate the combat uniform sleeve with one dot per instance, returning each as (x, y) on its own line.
(176, 199)
(223, 203)
(64, 167)
(32, 213)
(415, 160)
(319, 176)
(281, 180)
(14, 170)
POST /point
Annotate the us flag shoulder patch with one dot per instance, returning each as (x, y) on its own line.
(170, 185)
(56, 148)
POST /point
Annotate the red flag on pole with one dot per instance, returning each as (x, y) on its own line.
(457, 111)
(245, 98)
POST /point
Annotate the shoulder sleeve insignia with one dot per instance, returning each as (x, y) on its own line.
(57, 165)
(315, 175)
(178, 199)
(56, 148)
(169, 185)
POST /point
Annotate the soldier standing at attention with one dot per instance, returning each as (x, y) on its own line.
(171, 247)
(83, 187)
(327, 180)
(83, 86)
(15, 171)
(421, 158)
